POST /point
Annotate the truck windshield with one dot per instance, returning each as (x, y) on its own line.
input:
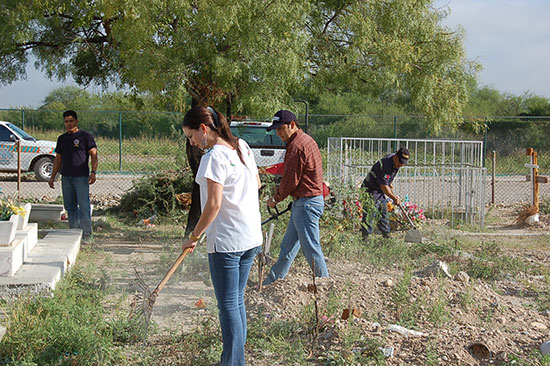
(257, 136)
(21, 133)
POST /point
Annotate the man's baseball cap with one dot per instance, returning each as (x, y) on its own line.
(280, 118)
(403, 155)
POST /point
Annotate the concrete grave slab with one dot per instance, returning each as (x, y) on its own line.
(11, 257)
(30, 232)
(41, 212)
(50, 259)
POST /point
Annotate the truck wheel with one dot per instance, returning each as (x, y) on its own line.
(43, 169)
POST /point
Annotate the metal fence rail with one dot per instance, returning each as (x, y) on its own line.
(445, 177)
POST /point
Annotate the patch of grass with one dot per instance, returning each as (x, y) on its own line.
(542, 295)
(201, 346)
(431, 354)
(284, 338)
(466, 299)
(544, 205)
(387, 252)
(491, 263)
(438, 313)
(358, 352)
(68, 328)
(405, 311)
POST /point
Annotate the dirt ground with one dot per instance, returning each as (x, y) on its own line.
(502, 315)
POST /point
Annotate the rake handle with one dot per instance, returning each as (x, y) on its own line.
(407, 216)
(171, 271)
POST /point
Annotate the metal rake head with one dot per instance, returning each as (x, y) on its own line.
(142, 302)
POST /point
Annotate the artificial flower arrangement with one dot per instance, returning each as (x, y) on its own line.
(8, 208)
(415, 213)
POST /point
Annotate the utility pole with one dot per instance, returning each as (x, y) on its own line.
(307, 112)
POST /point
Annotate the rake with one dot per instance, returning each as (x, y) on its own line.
(413, 235)
(142, 304)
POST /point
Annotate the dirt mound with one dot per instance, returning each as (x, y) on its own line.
(451, 314)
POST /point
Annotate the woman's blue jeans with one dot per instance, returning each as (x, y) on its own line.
(229, 272)
(76, 199)
(302, 232)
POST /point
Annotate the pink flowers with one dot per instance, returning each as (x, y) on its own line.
(415, 213)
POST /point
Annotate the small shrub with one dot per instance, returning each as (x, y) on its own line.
(156, 194)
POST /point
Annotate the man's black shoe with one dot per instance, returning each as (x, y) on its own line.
(386, 235)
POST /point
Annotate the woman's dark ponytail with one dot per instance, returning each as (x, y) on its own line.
(216, 121)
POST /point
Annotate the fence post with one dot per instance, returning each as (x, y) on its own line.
(307, 112)
(485, 143)
(119, 141)
(394, 132)
(18, 145)
(23, 119)
(493, 177)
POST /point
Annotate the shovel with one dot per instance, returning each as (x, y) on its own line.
(413, 235)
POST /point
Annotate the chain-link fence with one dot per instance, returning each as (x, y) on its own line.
(508, 137)
(131, 144)
(444, 177)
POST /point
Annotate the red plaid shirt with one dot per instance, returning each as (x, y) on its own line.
(303, 174)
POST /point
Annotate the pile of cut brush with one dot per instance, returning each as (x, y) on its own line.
(163, 194)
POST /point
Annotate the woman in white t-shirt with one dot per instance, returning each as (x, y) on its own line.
(229, 183)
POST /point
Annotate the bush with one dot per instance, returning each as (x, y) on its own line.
(156, 194)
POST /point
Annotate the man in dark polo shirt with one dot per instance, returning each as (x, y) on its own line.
(303, 181)
(73, 151)
(378, 184)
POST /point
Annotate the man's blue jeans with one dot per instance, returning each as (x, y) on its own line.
(383, 221)
(302, 231)
(76, 199)
(229, 272)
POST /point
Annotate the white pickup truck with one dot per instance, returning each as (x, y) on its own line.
(36, 155)
(268, 148)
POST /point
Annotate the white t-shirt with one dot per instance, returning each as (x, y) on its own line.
(237, 227)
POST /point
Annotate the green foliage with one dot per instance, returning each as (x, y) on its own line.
(156, 194)
(490, 263)
(545, 205)
(258, 55)
(68, 328)
(400, 296)
(281, 337)
(432, 358)
(202, 346)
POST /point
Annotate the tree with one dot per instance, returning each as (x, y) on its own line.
(256, 54)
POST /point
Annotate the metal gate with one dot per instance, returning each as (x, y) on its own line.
(445, 177)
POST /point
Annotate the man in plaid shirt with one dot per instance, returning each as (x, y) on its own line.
(303, 181)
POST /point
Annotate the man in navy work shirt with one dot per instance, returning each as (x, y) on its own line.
(378, 184)
(73, 151)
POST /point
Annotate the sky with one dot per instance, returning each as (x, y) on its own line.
(511, 39)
